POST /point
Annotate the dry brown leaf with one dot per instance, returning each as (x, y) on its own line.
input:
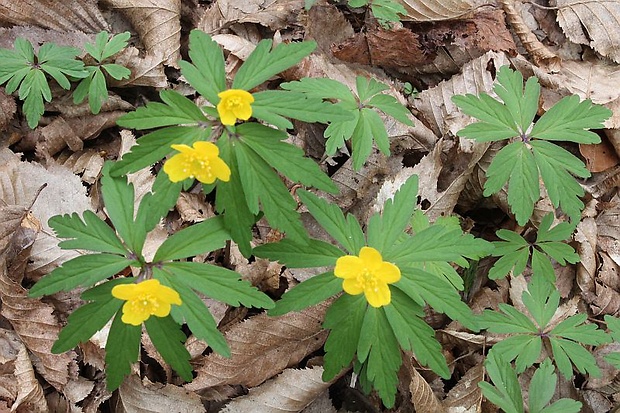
(158, 22)
(30, 390)
(7, 109)
(592, 22)
(194, 208)
(275, 14)
(74, 15)
(326, 24)
(291, 391)
(586, 238)
(135, 396)
(87, 163)
(262, 347)
(145, 71)
(466, 396)
(422, 396)
(599, 157)
(433, 10)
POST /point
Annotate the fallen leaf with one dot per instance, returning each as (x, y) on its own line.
(75, 15)
(135, 396)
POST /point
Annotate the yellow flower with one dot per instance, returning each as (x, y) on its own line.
(201, 162)
(145, 299)
(367, 274)
(234, 104)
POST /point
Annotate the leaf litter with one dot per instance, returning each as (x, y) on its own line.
(440, 48)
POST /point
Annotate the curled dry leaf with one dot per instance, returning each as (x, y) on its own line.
(586, 238)
(75, 15)
(593, 23)
(466, 396)
(145, 71)
(158, 22)
(135, 396)
(262, 347)
(87, 163)
(422, 396)
(291, 391)
(30, 391)
(275, 14)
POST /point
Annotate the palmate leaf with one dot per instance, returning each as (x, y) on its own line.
(197, 239)
(506, 391)
(207, 74)
(218, 283)
(121, 351)
(91, 234)
(542, 388)
(522, 104)
(91, 317)
(168, 339)
(321, 88)
(263, 62)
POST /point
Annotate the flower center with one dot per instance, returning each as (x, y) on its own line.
(144, 304)
(233, 102)
(367, 280)
(197, 166)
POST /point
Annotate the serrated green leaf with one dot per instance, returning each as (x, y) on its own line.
(331, 218)
(387, 10)
(296, 105)
(154, 146)
(91, 234)
(197, 239)
(495, 118)
(264, 63)
(336, 133)
(568, 120)
(512, 321)
(507, 392)
(361, 139)
(156, 204)
(261, 182)
(310, 292)
(344, 320)
(541, 300)
(541, 266)
(368, 87)
(321, 88)
(414, 334)
(97, 92)
(392, 107)
(613, 324)
(84, 270)
(313, 253)
(613, 359)
(117, 43)
(117, 72)
(168, 339)
(522, 105)
(219, 283)
(542, 387)
(565, 350)
(287, 159)
(573, 328)
(207, 74)
(121, 351)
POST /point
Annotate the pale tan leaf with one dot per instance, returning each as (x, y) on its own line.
(466, 396)
(145, 71)
(586, 238)
(158, 22)
(10, 220)
(88, 163)
(262, 347)
(275, 14)
(135, 396)
(37, 35)
(322, 404)
(291, 391)
(193, 207)
(435, 104)
(595, 23)
(74, 15)
(422, 396)
(30, 390)
(433, 10)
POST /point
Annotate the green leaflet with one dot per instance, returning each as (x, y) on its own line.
(313, 253)
(168, 339)
(206, 74)
(122, 350)
(92, 233)
(310, 292)
(507, 391)
(206, 236)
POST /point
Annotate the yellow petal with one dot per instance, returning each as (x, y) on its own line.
(132, 317)
(168, 295)
(163, 310)
(348, 266)
(371, 257)
(182, 148)
(205, 178)
(388, 273)
(227, 117)
(125, 291)
(351, 286)
(220, 169)
(175, 166)
(207, 149)
(379, 296)
(243, 112)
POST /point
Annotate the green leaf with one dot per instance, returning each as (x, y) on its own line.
(344, 319)
(506, 392)
(168, 339)
(512, 321)
(542, 300)
(568, 120)
(613, 359)
(331, 218)
(197, 239)
(118, 72)
(362, 138)
(567, 351)
(387, 10)
(542, 388)
(385, 229)
(154, 146)
(206, 74)
(321, 88)
(496, 120)
(513, 253)
(522, 105)
(261, 182)
(117, 43)
(613, 324)
(121, 351)
(264, 63)
(91, 234)
(84, 270)
(392, 107)
(176, 110)
(294, 105)
(516, 164)
(156, 204)
(314, 253)
(97, 92)
(91, 317)
(310, 292)
(414, 334)
(218, 283)
(287, 159)
(336, 133)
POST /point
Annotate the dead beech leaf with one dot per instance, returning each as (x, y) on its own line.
(136, 396)
(291, 391)
(145, 71)
(75, 15)
(30, 390)
(433, 10)
(586, 238)
(466, 396)
(87, 163)
(158, 22)
(422, 396)
(262, 347)
(599, 157)
(275, 14)
(594, 23)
